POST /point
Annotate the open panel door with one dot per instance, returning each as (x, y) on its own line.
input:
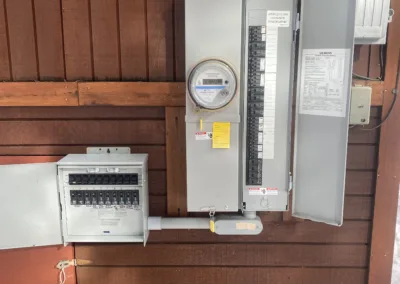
(29, 206)
(322, 111)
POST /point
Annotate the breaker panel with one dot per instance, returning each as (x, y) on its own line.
(269, 37)
(96, 197)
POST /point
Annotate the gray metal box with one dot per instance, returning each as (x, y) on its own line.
(272, 193)
(213, 30)
(38, 200)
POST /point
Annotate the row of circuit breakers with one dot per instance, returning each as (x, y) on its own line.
(246, 60)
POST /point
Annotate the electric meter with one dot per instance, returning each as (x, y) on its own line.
(212, 84)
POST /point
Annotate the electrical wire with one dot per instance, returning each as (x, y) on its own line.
(395, 93)
(382, 69)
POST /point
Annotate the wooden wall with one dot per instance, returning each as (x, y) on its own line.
(286, 252)
(92, 40)
(141, 40)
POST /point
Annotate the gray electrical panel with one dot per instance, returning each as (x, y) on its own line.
(82, 198)
(240, 64)
(268, 68)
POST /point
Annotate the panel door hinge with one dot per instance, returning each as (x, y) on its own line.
(290, 182)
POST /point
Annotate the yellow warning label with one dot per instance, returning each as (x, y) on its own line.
(221, 135)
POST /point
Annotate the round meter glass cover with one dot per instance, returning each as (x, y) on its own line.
(212, 84)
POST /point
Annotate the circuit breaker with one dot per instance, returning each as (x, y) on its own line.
(241, 68)
(95, 197)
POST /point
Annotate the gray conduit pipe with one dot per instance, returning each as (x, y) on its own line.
(160, 223)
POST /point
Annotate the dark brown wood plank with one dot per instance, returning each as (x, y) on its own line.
(38, 94)
(387, 189)
(5, 72)
(361, 135)
(160, 39)
(176, 161)
(22, 32)
(105, 35)
(77, 39)
(22, 113)
(362, 157)
(376, 112)
(21, 265)
(132, 94)
(358, 208)
(295, 276)
(374, 61)
(156, 153)
(79, 132)
(360, 182)
(220, 275)
(225, 255)
(361, 60)
(276, 232)
(179, 25)
(157, 183)
(183, 275)
(49, 40)
(158, 206)
(133, 39)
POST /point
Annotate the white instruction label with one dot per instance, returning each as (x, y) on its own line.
(203, 136)
(324, 82)
(263, 191)
(270, 93)
(278, 19)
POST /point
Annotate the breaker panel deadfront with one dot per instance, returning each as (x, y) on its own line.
(97, 197)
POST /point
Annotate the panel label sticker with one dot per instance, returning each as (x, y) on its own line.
(263, 191)
(221, 136)
(201, 136)
(270, 93)
(246, 226)
(278, 19)
(324, 82)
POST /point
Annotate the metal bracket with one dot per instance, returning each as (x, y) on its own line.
(108, 150)
(391, 14)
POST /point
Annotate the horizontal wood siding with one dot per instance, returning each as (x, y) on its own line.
(308, 251)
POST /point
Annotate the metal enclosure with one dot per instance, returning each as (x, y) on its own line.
(103, 197)
(213, 30)
(115, 220)
(322, 113)
(372, 17)
(29, 206)
(270, 189)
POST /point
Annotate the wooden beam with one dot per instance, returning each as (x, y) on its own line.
(176, 161)
(114, 93)
(387, 190)
(38, 94)
(132, 94)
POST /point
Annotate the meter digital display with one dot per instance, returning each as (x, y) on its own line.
(212, 84)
